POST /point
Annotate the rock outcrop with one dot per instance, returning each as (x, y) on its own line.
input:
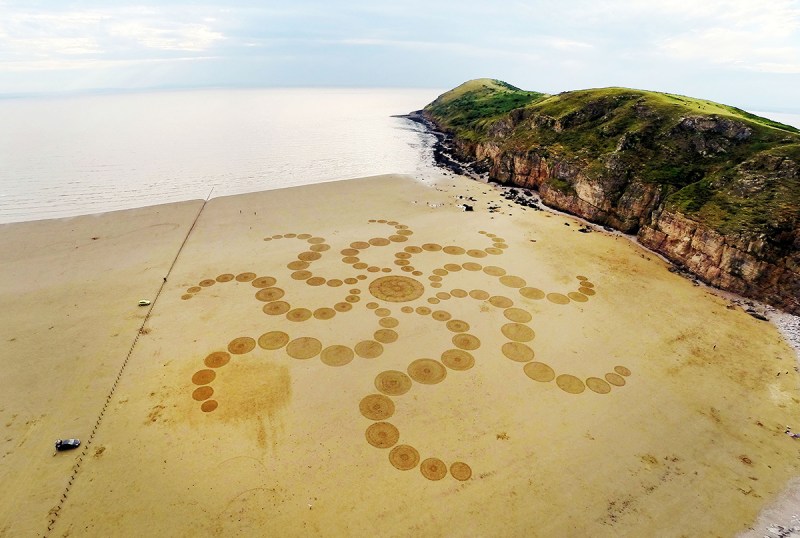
(717, 194)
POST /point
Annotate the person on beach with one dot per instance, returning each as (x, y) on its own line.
(792, 434)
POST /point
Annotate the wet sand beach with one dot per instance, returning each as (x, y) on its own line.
(364, 357)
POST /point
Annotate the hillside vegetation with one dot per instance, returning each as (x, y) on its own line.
(727, 167)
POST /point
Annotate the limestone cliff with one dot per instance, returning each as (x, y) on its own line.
(712, 188)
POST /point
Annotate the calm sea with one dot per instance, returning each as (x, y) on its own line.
(86, 154)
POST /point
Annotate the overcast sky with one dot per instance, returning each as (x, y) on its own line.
(741, 52)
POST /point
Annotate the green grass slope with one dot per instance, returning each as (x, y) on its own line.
(729, 168)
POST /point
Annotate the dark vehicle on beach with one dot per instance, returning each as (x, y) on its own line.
(67, 444)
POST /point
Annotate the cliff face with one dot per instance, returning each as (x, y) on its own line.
(716, 194)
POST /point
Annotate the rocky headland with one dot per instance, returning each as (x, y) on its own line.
(712, 188)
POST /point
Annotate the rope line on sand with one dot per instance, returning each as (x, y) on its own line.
(56, 510)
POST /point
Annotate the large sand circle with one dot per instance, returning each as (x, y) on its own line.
(396, 289)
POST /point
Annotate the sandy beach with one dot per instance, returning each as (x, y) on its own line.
(365, 358)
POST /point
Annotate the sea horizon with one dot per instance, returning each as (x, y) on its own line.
(93, 151)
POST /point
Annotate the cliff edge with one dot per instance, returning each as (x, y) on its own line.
(713, 188)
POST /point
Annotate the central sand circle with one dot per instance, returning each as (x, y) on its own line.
(396, 289)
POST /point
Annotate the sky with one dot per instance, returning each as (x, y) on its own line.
(739, 52)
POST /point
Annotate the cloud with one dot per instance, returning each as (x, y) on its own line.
(165, 36)
(81, 39)
(70, 64)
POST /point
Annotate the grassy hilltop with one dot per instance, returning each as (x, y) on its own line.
(734, 171)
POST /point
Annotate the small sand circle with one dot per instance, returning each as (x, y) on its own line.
(466, 341)
(298, 314)
(389, 323)
(245, 277)
(615, 379)
(492, 270)
(457, 326)
(269, 294)
(301, 275)
(194, 289)
(207, 282)
(557, 298)
(304, 348)
(297, 265)
(512, 281)
(517, 332)
(263, 282)
(458, 359)
(501, 302)
(472, 266)
(392, 383)
(595, 384)
(203, 377)
(376, 407)
(458, 293)
(427, 371)
(241, 345)
(396, 289)
(532, 293)
(276, 308)
(460, 471)
(621, 370)
(385, 336)
(577, 297)
(441, 315)
(379, 241)
(517, 315)
(227, 277)
(382, 435)
(273, 340)
(217, 359)
(324, 313)
(208, 406)
(453, 250)
(570, 383)
(433, 469)
(431, 247)
(586, 291)
(202, 393)
(309, 256)
(404, 457)
(315, 281)
(517, 352)
(539, 371)
(336, 355)
(480, 295)
(342, 307)
(368, 349)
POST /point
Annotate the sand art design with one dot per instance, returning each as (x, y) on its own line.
(391, 290)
